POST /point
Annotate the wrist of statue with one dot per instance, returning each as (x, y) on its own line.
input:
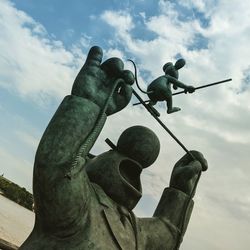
(181, 189)
(90, 106)
(86, 98)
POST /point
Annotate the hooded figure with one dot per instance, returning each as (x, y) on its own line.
(84, 203)
(118, 171)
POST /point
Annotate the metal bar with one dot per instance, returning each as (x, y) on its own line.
(163, 125)
(110, 143)
(179, 239)
(205, 86)
(200, 87)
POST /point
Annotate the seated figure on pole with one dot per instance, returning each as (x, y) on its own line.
(160, 88)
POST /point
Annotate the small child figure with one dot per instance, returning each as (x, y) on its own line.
(160, 88)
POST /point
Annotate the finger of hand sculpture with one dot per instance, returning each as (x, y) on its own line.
(96, 80)
(84, 203)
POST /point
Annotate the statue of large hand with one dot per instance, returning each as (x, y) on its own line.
(186, 170)
(96, 80)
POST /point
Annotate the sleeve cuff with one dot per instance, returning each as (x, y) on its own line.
(175, 207)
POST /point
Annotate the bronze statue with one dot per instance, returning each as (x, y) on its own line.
(83, 203)
(160, 88)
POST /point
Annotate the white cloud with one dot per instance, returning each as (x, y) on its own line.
(214, 120)
(16, 168)
(216, 61)
(204, 6)
(28, 139)
(114, 53)
(18, 142)
(121, 20)
(32, 63)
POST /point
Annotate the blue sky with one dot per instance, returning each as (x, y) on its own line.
(43, 44)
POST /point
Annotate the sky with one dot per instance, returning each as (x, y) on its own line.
(43, 44)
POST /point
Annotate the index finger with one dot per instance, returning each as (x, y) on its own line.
(94, 57)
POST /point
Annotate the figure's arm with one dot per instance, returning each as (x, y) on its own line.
(61, 186)
(173, 212)
(177, 83)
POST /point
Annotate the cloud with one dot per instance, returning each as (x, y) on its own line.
(27, 139)
(16, 168)
(215, 60)
(120, 20)
(214, 121)
(18, 142)
(32, 63)
(114, 53)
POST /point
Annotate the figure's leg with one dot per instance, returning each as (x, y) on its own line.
(152, 103)
(170, 107)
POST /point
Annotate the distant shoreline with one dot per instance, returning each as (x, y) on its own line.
(2, 194)
(16, 193)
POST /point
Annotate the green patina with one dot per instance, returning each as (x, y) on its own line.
(86, 203)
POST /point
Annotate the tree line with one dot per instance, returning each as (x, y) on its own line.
(16, 193)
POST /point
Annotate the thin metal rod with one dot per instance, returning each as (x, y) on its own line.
(200, 87)
(110, 143)
(162, 124)
(179, 238)
(205, 86)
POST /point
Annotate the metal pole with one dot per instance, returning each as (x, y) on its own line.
(162, 124)
(200, 87)
(179, 238)
(205, 86)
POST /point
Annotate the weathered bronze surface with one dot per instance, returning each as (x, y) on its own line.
(160, 88)
(84, 203)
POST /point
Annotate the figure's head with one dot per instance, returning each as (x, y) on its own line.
(172, 70)
(118, 171)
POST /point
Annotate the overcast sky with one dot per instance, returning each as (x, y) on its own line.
(43, 45)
